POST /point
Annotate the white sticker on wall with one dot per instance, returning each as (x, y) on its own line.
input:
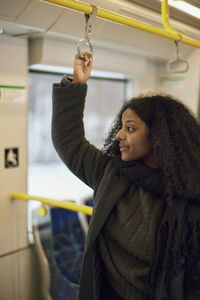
(12, 94)
(11, 157)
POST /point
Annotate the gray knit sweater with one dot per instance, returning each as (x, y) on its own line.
(127, 243)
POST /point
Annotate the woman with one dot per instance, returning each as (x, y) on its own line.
(144, 235)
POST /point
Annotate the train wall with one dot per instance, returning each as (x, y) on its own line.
(18, 264)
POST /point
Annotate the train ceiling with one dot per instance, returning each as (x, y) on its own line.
(155, 5)
(34, 19)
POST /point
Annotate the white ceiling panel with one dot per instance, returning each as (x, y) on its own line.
(73, 23)
(12, 9)
(40, 15)
(37, 19)
(70, 23)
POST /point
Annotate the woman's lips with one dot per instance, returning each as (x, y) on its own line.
(123, 148)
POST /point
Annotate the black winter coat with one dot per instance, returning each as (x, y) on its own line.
(100, 173)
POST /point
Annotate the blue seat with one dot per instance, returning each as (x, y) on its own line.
(68, 242)
(60, 245)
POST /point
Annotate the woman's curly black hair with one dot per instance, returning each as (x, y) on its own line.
(175, 135)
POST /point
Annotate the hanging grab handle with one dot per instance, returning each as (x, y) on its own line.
(85, 43)
(177, 65)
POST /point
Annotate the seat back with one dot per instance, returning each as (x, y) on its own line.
(59, 243)
(68, 242)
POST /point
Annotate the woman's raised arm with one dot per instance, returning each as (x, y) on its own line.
(68, 136)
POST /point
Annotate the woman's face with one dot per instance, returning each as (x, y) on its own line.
(134, 139)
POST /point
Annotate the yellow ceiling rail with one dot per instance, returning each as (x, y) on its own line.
(167, 26)
(51, 202)
(111, 16)
(165, 16)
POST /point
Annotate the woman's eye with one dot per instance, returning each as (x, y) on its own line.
(130, 129)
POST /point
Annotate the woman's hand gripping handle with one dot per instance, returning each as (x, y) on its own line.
(82, 68)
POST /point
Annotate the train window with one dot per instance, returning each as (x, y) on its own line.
(47, 175)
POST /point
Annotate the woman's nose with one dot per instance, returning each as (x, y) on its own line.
(120, 136)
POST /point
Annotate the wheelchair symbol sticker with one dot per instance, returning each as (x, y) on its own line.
(11, 157)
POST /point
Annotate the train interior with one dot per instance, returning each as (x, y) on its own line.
(38, 42)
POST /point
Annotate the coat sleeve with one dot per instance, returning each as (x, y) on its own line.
(83, 159)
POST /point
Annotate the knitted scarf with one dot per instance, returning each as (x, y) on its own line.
(178, 235)
(151, 180)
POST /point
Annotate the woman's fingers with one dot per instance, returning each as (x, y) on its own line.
(82, 67)
(85, 62)
(78, 61)
(90, 61)
(87, 57)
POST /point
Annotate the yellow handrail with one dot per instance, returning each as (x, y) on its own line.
(166, 24)
(51, 202)
(111, 16)
(165, 16)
